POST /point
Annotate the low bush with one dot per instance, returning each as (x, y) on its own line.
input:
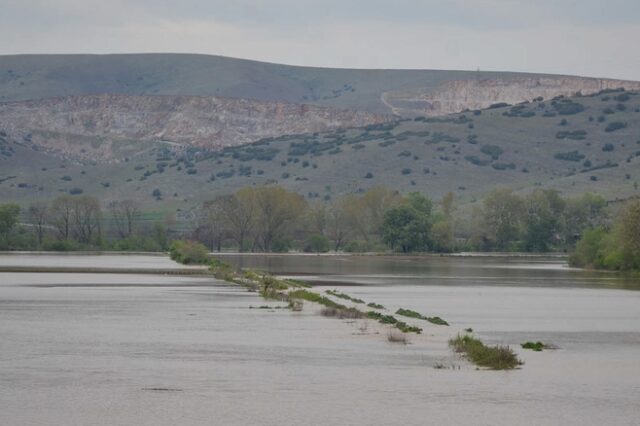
(569, 156)
(344, 296)
(413, 314)
(492, 357)
(189, 252)
(615, 125)
(534, 346)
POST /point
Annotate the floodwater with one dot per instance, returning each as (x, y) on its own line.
(118, 349)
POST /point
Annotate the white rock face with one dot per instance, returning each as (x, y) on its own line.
(457, 95)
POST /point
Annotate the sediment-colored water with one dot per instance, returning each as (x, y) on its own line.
(120, 349)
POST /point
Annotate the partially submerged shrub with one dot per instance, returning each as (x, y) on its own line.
(492, 357)
(534, 346)
(344, 296)
(395, 336)
(296, 305)
(346, 313)
(189, 252)
(375, 305)
(413, 314)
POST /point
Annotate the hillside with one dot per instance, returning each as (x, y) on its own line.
(108, 128)
(579, 144)
(406, 92)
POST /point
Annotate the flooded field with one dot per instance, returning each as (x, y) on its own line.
(124, 349)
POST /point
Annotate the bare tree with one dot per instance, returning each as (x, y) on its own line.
(61, 213)
(277, 213)
(124, 214)
(211, 225)
(86, 215)
(38, 212)
(239, 213)
(338, 227)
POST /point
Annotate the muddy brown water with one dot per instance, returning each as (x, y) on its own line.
(119, 349)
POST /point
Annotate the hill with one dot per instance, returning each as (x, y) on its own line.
(573, 144)
(108, 128)
(405, 92)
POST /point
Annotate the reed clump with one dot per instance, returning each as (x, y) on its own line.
(491, 357)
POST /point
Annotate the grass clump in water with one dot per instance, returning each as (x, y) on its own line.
(390, 319)
(534, 346)
(375, 305)
(348, 313)
(413, 314)
(344, 296)
(406, 328)
(310, 296)
(382, 319)
(397, 337)
(492, 357)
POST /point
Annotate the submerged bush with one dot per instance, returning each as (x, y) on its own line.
(413, 314)
(534, 346)
(189, 252)
(492, 357)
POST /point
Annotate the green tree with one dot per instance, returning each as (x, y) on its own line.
(627, 235)
(544, 220)
(581, 213)
(317, 243)
(407, 227)
(503, 214)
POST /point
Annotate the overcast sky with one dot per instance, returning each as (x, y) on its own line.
(584, 37)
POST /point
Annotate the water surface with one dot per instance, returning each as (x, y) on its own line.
(118, 349)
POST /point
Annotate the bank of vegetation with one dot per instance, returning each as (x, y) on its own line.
(616, 247)
(272, 219)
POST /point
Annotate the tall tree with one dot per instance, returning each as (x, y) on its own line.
(86, 216)
(8, 219)
(503, 214)
(124, 214)
(277, 213)
(628, 235)
(38, 212)
(407, 227)
(338, 229)
(61, 215)
(544, 220)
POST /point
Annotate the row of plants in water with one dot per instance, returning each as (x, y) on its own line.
(296, 292)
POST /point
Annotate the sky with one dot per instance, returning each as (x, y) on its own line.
(583, 37)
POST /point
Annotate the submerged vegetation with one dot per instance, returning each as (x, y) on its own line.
(413, 314)
(344, 296)
(534, 346)
(491, 357)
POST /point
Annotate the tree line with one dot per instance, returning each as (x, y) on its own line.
(73, 222)
(272, 219)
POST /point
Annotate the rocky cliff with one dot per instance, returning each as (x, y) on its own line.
(105, 127)
(458, 95)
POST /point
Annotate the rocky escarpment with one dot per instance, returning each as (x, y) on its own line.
(109, 127)
(458, 95)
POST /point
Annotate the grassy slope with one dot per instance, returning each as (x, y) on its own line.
(41, 76)
(527, 143)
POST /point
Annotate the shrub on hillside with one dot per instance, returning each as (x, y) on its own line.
(615, 125)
